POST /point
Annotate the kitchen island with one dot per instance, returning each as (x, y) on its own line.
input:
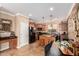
(45, 39)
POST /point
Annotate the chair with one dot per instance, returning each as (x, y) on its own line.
(77, 51)
(76, 48)
(47, 48)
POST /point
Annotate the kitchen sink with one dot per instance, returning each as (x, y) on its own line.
(5, 34)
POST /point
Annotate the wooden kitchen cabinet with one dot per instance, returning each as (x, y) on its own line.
(11, 40)
(13, 43)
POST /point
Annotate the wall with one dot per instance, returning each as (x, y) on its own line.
(72, 26)
(22, 32)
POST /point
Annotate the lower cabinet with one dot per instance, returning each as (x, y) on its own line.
(8, 43)
(13, 43)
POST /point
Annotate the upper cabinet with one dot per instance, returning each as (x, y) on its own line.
(5, 24)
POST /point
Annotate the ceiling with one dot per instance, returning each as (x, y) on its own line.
(38, 10)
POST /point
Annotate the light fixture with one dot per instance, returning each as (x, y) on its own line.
(51, 15)
(18, 14)
(43, 18)
(51, 9)
(30, 14)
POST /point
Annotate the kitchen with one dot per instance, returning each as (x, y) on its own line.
(57, 36)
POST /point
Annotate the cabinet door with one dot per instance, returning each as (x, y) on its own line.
(13, 43)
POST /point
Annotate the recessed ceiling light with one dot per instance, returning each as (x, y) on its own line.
(51, 9)
(17, 13)
(20, 14)
(30, 15)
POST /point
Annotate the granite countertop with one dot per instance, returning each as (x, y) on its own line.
(46, 35)
(11, 37)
